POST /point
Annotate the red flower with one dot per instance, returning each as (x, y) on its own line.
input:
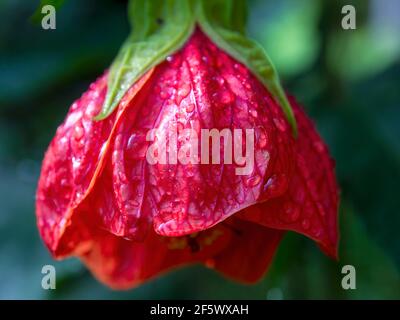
(100, 199)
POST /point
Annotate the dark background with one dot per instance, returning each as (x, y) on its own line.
(348, 81)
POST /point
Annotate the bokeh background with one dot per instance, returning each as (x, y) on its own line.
(349, 82)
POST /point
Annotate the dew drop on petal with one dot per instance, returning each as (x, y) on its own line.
(321, 209)
(317, 232)
(125, 191)
(190, 107)
(163, 94)
(131, 141)
(319, 146)
(292, 212)
(253, 181)
(305, 224)
(262, 140)
(179, 126)
(184, 90)
(220, 80)
(253, 113)
(280, 124)
(227, 97)
(276, 185)
(78, 132)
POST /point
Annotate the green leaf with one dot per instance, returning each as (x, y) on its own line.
(229, 36)
(160, 27)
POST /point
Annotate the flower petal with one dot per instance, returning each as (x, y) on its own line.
(123, 264)
(310, 206)
(71, 165)
(239, 249)
(198, 88)
(250, 252)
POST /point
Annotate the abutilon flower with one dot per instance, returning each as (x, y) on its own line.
(128, 220)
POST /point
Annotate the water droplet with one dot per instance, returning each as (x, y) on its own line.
(189, 171)
(184, 90)
(91, 110)
(262, 140)
(292, 212)
(79, 144)
(321, 209)
(280, 124)
(240, 197)
(133, 203)
(174, 61)
(305, 224)
(136, 148)
(317, 231)
(121, 176)
(253, 113)
(78, 132)
(276, 185)
(131, 141)
(220, 80)
(190, 107)
(319, 146)
(163, 94)
(179, 126)
(253, 181)
(125, 191)
(64, 183)
(227, 97)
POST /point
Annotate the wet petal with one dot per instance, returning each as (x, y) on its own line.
(310, 205)
(250, 252)
(123, 264)
(199, 88)
(71, 165)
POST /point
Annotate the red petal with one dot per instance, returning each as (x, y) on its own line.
(250, 252)
(200, 87)
(310, 206)
(239, 249)
(123, 264)
(72, 164)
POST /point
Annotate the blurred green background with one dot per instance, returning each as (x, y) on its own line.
(348, 81)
